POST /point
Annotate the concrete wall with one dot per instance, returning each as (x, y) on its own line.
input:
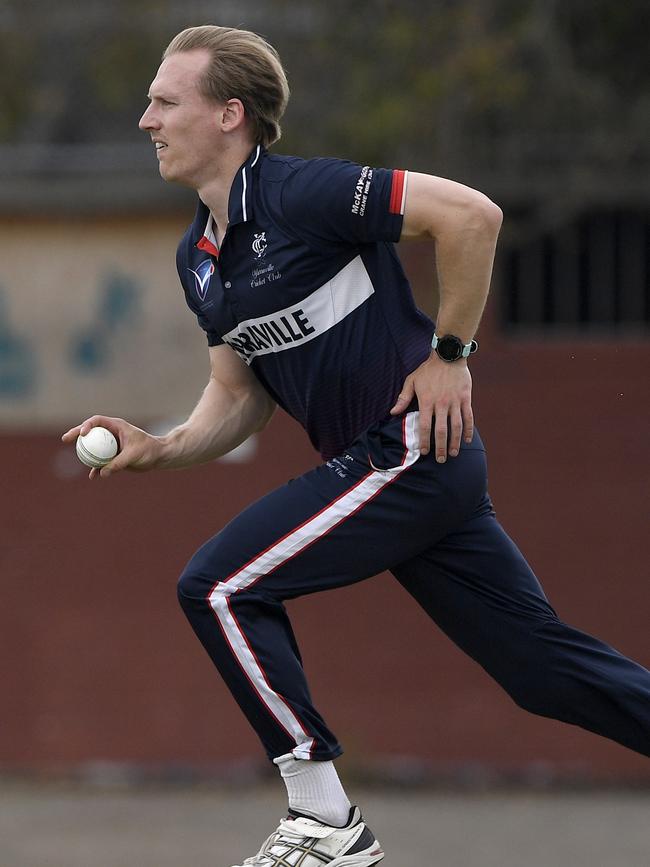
(96, 659)
(92, 312)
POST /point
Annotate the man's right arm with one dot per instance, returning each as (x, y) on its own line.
(232, 407)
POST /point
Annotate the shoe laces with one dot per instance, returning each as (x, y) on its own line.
(288, 831)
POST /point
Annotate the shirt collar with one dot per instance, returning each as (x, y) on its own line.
(240, 204)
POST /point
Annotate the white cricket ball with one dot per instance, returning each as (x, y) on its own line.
(97, 447)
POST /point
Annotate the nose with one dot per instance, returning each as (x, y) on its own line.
(148, 120)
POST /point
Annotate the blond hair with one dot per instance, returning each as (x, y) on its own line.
(242, 66)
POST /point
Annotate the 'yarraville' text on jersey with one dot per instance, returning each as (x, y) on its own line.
(308, 290)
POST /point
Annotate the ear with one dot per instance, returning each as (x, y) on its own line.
(233, 115)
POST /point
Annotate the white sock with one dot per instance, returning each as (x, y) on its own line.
(314, 789)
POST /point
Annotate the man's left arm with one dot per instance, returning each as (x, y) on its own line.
(464, 224)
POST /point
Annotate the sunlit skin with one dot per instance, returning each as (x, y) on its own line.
(199, 143)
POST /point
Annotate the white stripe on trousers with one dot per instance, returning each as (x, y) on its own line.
(279, 553)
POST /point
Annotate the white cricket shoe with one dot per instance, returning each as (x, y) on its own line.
(303, 842)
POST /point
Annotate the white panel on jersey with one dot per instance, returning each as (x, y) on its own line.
(305, 320)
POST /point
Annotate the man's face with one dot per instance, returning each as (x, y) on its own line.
(183, 123)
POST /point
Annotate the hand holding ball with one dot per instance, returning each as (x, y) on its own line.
(97, 447)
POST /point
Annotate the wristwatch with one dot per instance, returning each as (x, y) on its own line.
(451, 348)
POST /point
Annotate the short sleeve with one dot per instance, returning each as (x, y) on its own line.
(335, 201)
(214, 339)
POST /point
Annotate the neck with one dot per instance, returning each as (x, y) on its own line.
(215, 192)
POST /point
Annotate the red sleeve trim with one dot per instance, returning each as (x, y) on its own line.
(397, 192)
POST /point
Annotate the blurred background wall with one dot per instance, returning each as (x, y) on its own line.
(543, 106)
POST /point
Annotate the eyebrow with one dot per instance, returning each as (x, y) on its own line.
(160, 94)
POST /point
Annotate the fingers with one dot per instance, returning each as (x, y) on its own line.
(425, 421)
(455, 431)
(94, 421)
(441, 433)
(120, 462)
(447, 427)
(447, 431)
(405, 397)
(447, 423)
(468, 422)
(453, 424)
(107, 470)
(71, 435)
(446, 420)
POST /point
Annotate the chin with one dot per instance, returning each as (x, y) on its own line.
(168, 174)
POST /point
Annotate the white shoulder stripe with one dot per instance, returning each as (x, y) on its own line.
(243, 193)
(403, 203)
(245, 182)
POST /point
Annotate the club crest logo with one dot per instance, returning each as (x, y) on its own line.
(202, 277)
(259, 245)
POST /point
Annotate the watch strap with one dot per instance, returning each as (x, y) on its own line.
(467, 348)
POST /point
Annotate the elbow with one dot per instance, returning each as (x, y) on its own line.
(485, 215)
(495, 215)
(471, 212)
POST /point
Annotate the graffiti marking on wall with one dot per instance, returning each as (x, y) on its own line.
(17, 359)
(118, 310)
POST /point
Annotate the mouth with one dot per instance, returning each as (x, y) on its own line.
(160, 146)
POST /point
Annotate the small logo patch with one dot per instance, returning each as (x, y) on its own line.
(202, 277)
(361, 191)
(259, 245)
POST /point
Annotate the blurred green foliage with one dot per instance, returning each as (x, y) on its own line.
(370, 80)
(17, 85)
(420, 78)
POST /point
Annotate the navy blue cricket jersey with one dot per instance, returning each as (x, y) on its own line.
(308, 290)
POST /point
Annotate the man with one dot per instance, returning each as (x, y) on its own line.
(290, 269)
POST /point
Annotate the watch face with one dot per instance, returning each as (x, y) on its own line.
(449, 348)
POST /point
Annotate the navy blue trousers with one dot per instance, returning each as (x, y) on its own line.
(383, 506)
